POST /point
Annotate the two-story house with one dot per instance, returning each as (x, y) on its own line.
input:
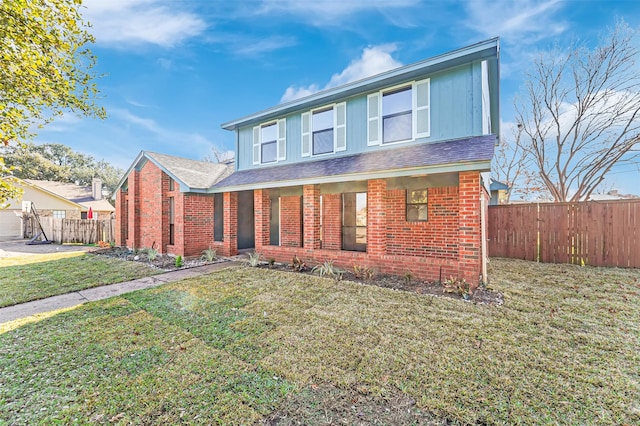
(384, 172)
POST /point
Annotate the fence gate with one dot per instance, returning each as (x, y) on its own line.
(592, 233)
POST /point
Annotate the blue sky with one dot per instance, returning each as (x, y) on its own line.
(174, 70)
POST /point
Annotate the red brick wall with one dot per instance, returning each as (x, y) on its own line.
(436, 237)
(150, 223)
(470, 238)
(376, 217)
(122, 220)
(311, 201)
(261, 206)
(331, 221)
(290, 225)
(229, 247)
(197, 229)
(133, 215)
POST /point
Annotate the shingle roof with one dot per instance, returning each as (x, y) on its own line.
(82, 195)
(194, 174)
(468, 150)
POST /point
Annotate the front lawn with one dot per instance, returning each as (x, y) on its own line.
(38, 276)
(247, 345)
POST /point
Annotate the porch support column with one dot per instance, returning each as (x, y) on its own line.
(376, 217)
(311, 208)
(134, 210)
(262, 210)
(121, 218)
(230, 232)
(469, 233)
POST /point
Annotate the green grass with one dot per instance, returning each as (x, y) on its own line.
(242, 345)
(33, 277)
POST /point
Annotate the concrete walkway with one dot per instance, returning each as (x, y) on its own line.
(76, 298)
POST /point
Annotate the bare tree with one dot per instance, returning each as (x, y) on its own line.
(582, 114)
(218, 155)
(512, 167)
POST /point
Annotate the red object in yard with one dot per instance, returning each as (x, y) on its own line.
(90, 214)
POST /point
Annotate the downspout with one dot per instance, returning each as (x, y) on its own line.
(483, 235)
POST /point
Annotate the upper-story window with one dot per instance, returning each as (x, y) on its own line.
(399, 114)
(322, 126)
(270, 142)
(324, 130)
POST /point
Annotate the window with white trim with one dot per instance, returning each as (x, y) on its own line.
(269, 142)
(324, 130)
(59, 214)
(399, 114)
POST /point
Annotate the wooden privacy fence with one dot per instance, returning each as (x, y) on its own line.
(598, 233)
(86, 231)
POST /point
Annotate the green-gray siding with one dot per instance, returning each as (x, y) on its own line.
(456, 112)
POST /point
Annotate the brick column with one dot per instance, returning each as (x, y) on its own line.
(332, 222)
(290, 226)
(376, 217)
(469, 233)
(262, 210)
(121, 218)
(311, 202)
(133, 215)
(230, 234)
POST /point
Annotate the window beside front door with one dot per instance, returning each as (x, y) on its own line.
(171, 221)
(354, 221)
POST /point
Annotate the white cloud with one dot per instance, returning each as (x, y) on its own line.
(527, 21)
(253, 47)
(330, 12)
(374, 60)
(126, 22)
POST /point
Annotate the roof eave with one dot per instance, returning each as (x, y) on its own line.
(481, 166)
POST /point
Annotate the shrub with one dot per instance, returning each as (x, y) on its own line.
(362, 272)
(253, 259)
(458, 286)
(328, 269)
(152, 254)
(297, 265)
(209, 255)
(179, 261)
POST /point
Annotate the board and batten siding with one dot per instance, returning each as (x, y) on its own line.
(456, 111)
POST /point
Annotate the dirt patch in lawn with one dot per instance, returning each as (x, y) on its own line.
(328, 404)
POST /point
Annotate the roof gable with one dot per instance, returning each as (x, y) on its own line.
(191, 175)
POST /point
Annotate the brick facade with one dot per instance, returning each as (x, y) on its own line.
(143, 215)
(449, 243)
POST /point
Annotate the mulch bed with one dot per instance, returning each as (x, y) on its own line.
(482, 295)
(165, 262)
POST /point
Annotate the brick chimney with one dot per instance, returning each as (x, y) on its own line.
(96, 188)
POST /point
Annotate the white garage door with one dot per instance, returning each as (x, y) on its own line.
(10, 225)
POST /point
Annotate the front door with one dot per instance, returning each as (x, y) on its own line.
(246, 220)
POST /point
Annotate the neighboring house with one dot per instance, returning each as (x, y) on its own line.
(612, 195)
(164, 202)
(384, 172)
(57, 199)
(499, 192)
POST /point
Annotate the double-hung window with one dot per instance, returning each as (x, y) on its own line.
(324, 130)
(417, 205)
(322, 126)
(399, 114)
(270, 142)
